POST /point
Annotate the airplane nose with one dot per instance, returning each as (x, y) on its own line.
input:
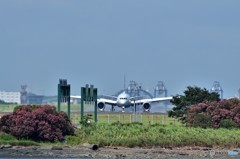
(122, 102)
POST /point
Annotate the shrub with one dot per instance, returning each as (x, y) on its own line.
(72, 140)
(202, 120)
(26, 107)
(117, 123)
(37, 122)
(225, 113)
(228, 123)
(87, 120)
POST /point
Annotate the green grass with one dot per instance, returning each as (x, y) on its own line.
(154, 130)
(7, 107)
(140, 135)
(7, 139)
(130, 118)
(143, 118)
(144, 135)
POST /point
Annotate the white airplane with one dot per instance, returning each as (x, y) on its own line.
(124, 100)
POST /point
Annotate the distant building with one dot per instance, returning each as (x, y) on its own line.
(10, 97)
(34, 99)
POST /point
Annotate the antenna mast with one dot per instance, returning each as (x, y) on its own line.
(124, 84)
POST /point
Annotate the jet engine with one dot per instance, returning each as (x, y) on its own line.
(146, 107)
(101, 106)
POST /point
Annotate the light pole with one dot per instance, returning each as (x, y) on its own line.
(134, 110)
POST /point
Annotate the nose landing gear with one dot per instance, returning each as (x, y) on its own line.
(123, 109)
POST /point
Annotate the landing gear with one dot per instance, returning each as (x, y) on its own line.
(112, 109)
(123, 109)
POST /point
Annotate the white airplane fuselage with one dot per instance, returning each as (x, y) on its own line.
(123, 100)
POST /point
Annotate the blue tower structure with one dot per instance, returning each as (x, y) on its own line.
(135, 90)
(160, 90)
(217, 88)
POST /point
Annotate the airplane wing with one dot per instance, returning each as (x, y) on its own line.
(107, 101)
(107, 96)
(75, 97)
(141, 101)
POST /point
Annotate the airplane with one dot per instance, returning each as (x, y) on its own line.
(123, 100)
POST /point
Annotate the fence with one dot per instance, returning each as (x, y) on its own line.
(130, 118)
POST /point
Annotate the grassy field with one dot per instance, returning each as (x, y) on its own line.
(132, 135)
(7, 107)
(141, 135)
(6, 139)
(120, 129)
(109, 118)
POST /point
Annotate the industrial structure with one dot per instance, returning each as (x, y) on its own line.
(160, 90)
(23, 94)
(30, 98)
(34, 99)
(216, 87)
(22, 97)
(135, 89)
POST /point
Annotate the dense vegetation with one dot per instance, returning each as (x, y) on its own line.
(37, 123)
(2, 102)
(44, 123)
(146, 135)
(225, 113)
(132, 135)
(7, 139)
(192, 96)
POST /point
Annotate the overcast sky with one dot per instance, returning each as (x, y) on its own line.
(98, 42)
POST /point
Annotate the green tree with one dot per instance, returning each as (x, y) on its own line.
(192, 96)
(2, 102)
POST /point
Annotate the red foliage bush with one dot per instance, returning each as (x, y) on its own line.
(37, 123)
(218, 110)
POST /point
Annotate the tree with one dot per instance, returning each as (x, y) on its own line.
(192, 96)
(2, 102)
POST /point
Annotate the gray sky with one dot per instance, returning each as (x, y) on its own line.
(179, 42)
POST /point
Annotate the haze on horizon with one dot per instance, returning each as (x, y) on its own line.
(98, 42)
